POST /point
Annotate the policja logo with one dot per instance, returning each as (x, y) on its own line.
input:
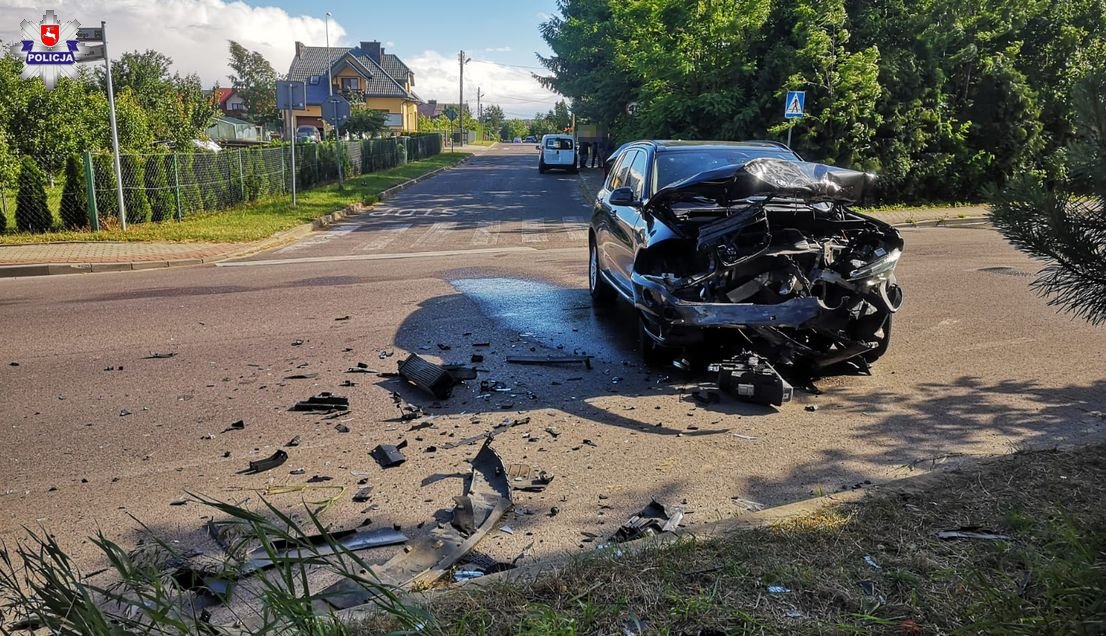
(50, 49)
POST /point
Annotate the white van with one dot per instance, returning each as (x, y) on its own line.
(557, 151)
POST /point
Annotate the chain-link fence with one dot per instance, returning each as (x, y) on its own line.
(169, 187)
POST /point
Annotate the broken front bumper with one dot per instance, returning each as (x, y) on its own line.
(651, 296)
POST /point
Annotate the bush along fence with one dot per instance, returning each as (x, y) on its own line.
(160, 188)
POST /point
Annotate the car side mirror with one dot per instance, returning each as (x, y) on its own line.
(624, 196)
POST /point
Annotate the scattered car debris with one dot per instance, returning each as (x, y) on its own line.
(124, 412)
(429, 377)
(318, 479)
(363, 493)
(810, 408)
(476, 358)
(778, 589)
(431, 556)
(160, 356)
(341, 428)
(554, 360)
(269, 463)
(295, 441)
(971, 532)
(325, 402)
(361, 367)
(461, 576)
(407, 410)
(297, 342)
(523, 479)
(750, 378)
(236, 426)
(653, 519)
(388, 455)
(341, 318)
(460, 372)
(871, 561)
(302, 376)
(493, 386)
(385, 353)
(503, 426)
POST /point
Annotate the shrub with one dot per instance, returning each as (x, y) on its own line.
(74, 198)
(163, 204)
(133, 169)
(31, 211)
(107, 203)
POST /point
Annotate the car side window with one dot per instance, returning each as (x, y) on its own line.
(636, 177)
(621, 170)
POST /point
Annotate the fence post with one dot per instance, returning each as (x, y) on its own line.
(176, 187)
(318, 176)
(283, 176)
(241, 176)
(90, 186)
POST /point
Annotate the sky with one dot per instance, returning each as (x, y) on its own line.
(500, 36)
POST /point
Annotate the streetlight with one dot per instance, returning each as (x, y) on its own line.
(461, 98)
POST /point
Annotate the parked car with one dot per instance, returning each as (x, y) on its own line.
(530, 139)
(702, 236)
(518, 140)
(557, 151)
(307, 134)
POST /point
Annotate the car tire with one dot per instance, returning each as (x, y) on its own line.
(574, 169)
(601, 291)
(542, 167)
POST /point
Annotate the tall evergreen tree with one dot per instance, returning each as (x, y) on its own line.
(163, 205)
(134, 188)
(74, 197)
(31, 212)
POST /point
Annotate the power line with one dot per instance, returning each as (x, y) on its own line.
(533, 68)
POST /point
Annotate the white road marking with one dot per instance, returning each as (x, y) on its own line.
(487, 232)
(383, 238)
(318, 238)
(576, 228)
(532, 235)
(434, 235)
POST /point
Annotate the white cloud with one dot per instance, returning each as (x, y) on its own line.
(499, 49)
(192, 32)
(514, 89)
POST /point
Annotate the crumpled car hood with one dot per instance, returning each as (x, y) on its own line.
(810, 182)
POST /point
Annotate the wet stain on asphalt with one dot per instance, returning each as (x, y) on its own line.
(557, 317)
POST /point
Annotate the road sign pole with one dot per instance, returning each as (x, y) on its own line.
(292, 128)
(789, 136)
(90, 185)
(114, 132)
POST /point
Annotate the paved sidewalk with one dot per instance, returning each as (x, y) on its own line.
(113, 252)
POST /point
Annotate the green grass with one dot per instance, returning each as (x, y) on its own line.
(900, 207)
(256, 221)
(1048, 579)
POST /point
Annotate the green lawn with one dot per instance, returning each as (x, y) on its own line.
(256, 221)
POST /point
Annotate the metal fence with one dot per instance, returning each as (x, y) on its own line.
(160, 188)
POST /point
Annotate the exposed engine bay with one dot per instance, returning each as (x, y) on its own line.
(771, 248)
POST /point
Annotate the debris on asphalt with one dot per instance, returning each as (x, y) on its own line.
(502, 426)
(160, 356)
(235, 426)
(523, 479)
(652, 520)
(269, 463)
(388, 455)
(493, 386)
(811, 408)
(750, 378)
(407, 410)
(318, 479)
(361, 367)
(314, 546)
(476, 358)
(325, 402)
(554, 360)
(295, 441)
(302, 376)
(363, 493)
(124, 413)
(421, 425)
(706, 397)
(341, 428)
(429, 377)
(341, 318)
(385, 353)
(430, 557)
(297, 342)
(971, 532)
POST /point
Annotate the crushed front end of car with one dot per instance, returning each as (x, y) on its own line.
(771, 249)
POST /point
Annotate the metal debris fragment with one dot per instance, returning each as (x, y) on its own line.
(653, 519)
(269, 463)
(554, 360)
(429, 377)
(388, 455)
(325, 402)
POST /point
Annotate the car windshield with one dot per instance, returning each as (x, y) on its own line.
(558, 144)
(674, 165)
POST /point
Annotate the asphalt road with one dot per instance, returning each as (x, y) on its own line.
(94, 431)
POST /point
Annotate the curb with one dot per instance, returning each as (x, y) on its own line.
(277, 240)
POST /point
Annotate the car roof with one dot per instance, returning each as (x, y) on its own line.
(556, 135)
(681, 144)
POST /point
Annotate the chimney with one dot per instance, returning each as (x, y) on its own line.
(432, 102)
(373, 50)
(299, 49)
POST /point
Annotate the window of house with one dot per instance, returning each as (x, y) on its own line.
(351, 84)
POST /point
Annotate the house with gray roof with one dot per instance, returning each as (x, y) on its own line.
(364, 74)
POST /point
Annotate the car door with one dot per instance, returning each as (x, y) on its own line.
(628, 226)
(604, 215)
(552, 151)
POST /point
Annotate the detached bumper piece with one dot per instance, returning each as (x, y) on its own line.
(750, 378)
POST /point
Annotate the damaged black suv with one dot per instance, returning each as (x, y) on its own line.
(746, 237)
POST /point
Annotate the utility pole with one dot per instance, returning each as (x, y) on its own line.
(330, 98)
(461, 94)
(479, 110)
(114, 132)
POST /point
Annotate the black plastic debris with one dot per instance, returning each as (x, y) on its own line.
(653, 519)
(235, 426)
(297, 342)
(750, 378)
(295, 441)
(476, 358)
(554, 360)
(361, 367)
(460, 372)
(493, 386)
(302, 376)
(341, 318)
(325, 402)
(407, 410)
(522, 478)
(388, 455)
(318, 479)
(269, 463)
(362, 495)
(341, 428)
(160, 356)
(503, 426)
(429, 377)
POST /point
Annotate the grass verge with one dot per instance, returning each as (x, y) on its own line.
(259, 220)
(874, 567)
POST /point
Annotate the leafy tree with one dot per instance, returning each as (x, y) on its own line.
(513, 128)
(1062, 223)
(190, 178)
(365, 121)
(107, 199)
(163, 203)
(74, 196)
(31, 212)
(255, 82)
(493, 117)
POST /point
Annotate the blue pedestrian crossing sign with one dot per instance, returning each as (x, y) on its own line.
(795, 104)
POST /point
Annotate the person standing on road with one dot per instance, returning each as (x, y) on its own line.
(598, 147)
(584, 154)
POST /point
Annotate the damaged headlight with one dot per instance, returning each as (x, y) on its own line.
(877, 268)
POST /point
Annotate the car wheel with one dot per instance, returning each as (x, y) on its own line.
(601, 292)
(574, 169)
(884, 342)
(541, 167)
(652, 353)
